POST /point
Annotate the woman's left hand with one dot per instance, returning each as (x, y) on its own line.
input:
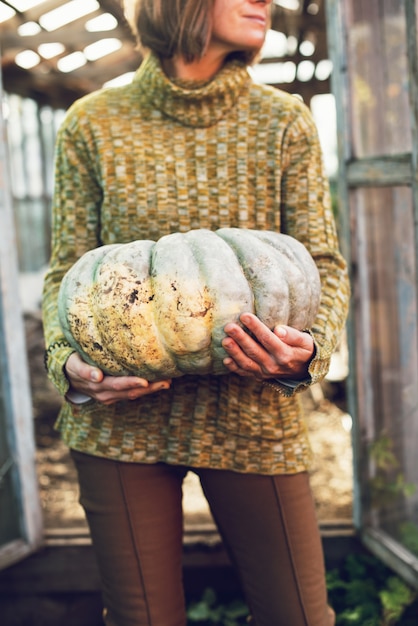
(282, 353)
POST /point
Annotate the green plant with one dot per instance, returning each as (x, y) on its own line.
(364, 592)
(158, 309)
(395, 597)
(388, 484)
(208, 610)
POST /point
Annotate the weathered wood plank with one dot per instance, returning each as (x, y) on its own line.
(71, 567)
(393, 554)
(383, 171)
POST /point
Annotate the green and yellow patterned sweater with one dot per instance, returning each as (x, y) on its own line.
(156, 157)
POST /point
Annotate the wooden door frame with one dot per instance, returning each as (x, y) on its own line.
(17, 412)
(397, 170)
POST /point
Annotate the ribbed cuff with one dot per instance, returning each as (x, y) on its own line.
(287, 386)
(55, 359)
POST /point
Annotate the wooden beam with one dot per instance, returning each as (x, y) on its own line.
(380, 171)
(66, 563)
(306, 90)
(72, 37)
(48, 86)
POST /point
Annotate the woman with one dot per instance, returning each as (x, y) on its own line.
(194, 143)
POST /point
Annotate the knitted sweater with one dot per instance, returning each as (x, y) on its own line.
(156, 157)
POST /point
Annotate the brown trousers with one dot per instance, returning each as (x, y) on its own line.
(267, 523)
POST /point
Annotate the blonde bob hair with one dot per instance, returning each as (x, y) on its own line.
(175, 27)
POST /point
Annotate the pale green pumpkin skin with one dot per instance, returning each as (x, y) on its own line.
(158, 309)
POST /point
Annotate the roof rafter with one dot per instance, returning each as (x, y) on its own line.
(48, 85)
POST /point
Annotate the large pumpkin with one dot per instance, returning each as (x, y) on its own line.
(158, 309)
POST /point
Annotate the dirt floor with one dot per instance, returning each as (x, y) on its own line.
(328, 424)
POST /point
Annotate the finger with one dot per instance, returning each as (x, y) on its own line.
(239, 349)
(233, 367)
(260, 333)
(76, 368)
(111, 396)
(111, 388)
(161, 385)
(287, 334)
(123, 383)
(293, 337)
(134, 394)
(117, 388)
(241, 361)
(252, 354)
(238, 339)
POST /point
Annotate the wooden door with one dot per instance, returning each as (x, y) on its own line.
(20, 512)
(373, 45)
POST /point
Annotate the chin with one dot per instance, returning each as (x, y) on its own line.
(255, 44)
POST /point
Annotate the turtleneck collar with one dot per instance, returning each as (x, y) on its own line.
(191, 104)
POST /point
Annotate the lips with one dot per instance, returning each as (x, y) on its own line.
(260, 19)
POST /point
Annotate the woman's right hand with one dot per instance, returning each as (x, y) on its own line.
(92, 382)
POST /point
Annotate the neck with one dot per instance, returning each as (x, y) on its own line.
(201, 69)
(195, 102)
